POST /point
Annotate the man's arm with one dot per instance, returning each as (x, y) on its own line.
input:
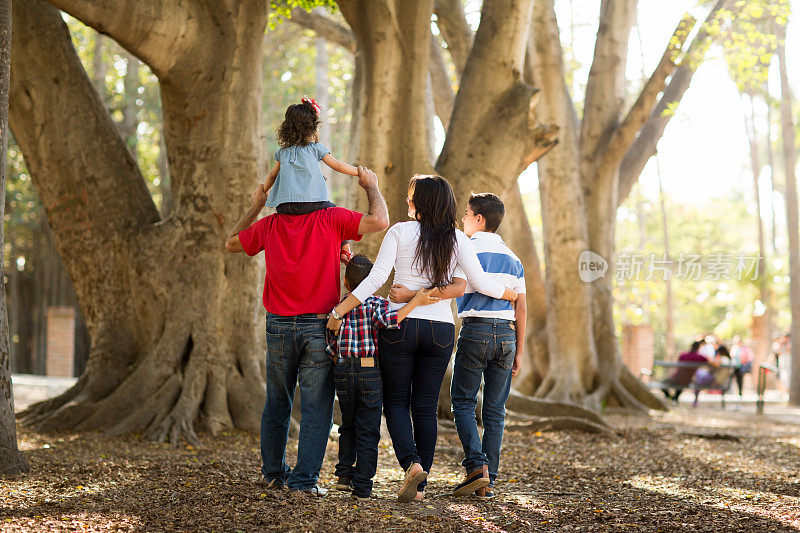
(422, 297)
(377, 217)
(259, 196)
(521, 316)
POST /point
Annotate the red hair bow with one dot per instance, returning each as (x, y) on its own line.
(314, 104)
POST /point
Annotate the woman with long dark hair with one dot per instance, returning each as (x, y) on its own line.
(427, 252)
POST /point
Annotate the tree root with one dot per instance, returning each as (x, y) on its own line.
(529, 405)
(180, 420)
(561, 423)
(155, 408)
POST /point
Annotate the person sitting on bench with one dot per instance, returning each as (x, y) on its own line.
(681, 378)
(715, 377)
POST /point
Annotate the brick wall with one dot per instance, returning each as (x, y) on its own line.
(60, 341)
(637, 347)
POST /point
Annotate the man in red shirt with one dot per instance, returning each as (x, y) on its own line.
(301, 287)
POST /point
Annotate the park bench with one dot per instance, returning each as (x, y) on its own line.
(660, 368)
(763, 370)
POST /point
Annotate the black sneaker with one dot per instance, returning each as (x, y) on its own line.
(477, 479)
(485, 493)
(345, 484)
(316, 491)
(271, 484)
(361, 495)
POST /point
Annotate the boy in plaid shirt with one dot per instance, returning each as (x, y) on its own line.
(358, 378)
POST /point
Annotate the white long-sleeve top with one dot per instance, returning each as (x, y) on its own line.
(398, 250)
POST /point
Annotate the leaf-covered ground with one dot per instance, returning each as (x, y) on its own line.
(685, 470)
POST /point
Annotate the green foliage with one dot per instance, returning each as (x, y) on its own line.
(751, 41)
(22, 213)
(280, 10)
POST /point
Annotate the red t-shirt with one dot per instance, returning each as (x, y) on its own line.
(302, 257)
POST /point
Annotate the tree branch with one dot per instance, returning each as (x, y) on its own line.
(452, 22)
(612, 153)
(606, 83)
(338, 34)
(492, 92)
(443, 95)
(326, 28)
(84, 173)
(152, 30)
(545, 65)
(644, 147)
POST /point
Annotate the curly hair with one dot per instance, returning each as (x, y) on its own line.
(299, 126)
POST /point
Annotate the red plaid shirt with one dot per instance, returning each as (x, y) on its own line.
(358, 334)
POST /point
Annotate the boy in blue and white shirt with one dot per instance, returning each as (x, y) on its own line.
(490, 347)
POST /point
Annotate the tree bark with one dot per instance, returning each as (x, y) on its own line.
(390, 124)
(160, 358)
(11, 460)
(573, 358)
(792, 219)
(578, 189)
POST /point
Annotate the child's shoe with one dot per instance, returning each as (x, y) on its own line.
(473, 481)
(345, 484)
(485, 493)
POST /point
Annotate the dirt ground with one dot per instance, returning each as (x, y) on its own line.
(687, 470)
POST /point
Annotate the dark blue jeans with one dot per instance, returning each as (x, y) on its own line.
(485, 351)
(359, 392)
(296, 353)
(413, 361)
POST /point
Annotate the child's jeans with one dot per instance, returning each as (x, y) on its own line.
(486, 350)
(302, 208)
(359, 392)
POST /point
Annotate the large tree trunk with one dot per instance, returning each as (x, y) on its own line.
(573, 358)
(11, 460)
(390, 122)
(170, 314)
(792, 220)
(578, 187)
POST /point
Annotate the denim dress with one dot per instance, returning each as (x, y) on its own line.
(300, 178)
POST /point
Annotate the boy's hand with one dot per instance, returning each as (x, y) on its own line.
(345, 255)
(399, 294)
(333, 324)
(517, 363)
(259, 195)
(424, 297)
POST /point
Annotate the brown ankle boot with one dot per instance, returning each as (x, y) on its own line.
(473, 481)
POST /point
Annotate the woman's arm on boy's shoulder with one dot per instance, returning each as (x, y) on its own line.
(338, 166)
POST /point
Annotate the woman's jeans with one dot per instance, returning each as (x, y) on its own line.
(296, 355)
(413, 361)
(486, 350)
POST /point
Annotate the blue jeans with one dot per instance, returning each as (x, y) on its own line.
(359, 392)
(296, 353)
(413, 361)
(485, 350)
